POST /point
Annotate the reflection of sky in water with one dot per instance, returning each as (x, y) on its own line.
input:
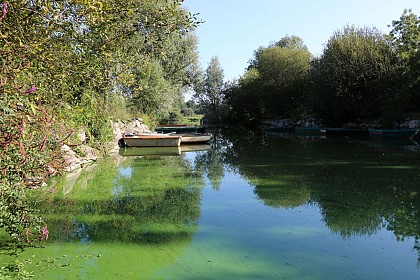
(118, 190)
(81, 231)
(126, 172)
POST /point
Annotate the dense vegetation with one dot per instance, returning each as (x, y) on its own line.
(67, 65)
(361, 75)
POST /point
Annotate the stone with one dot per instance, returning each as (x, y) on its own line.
(364, 125)
(351, 125)
(81, 134)
(414, 124)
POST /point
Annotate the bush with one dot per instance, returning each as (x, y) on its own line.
(187, 112)
(173, 118)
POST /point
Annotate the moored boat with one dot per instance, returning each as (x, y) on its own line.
(195, 137)
(346, 132)
(278, 129)
(405, 133)
(152, 140)
(180, 128)
(309, 131)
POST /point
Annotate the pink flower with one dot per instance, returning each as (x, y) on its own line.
(21, 129)
(4, 12)
(52, 190)
(44, 232)
(32, 89)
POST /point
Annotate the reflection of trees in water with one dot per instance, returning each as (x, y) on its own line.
(158, 202)
(270, 167)
(211, 162)
(359, 189)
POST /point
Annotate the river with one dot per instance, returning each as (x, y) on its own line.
(251, 206)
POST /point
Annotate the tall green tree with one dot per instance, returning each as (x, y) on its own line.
(244, 99)
(283, 75)
(354, 76)
(291, 42)
(209, 93)
(275, 83)
(405, 37)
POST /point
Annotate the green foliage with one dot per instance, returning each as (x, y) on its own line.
(30, 141)
(405, 38)
(15, 270)
(353, 77)
(173, 118)
(76, 64)
(209, 93)
(245, 100)
(362, 74)
(291, 42)
(193, 120)
(275, 84)
(180, 60)
(284, 74)
(153, 94)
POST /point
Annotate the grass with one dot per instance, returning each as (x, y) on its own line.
(192, 120)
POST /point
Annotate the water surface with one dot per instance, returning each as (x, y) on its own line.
(252, 207)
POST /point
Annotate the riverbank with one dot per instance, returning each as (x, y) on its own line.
(312, 122)
(81, 155)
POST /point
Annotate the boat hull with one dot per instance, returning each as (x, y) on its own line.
(346, 132)
(152, 140)
(196, 138)
(180, 129)
(309, 131)
(393, 133)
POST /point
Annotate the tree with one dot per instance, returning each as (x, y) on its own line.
(244, 99)
(208, 94)
(63, 62)
(274, 84)
(283, 75)
(291, 42)
(405, 37)
(353, 79)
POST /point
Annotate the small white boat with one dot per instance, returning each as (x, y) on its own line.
(152, 140)
(195, 137)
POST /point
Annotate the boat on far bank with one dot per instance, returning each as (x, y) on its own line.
(345, 132)
(404, 133)
(309, 131)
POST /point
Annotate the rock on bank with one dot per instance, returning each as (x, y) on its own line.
(80, 155)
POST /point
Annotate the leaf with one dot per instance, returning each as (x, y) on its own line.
(33, 108)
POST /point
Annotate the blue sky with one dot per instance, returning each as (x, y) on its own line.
(233, 29)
